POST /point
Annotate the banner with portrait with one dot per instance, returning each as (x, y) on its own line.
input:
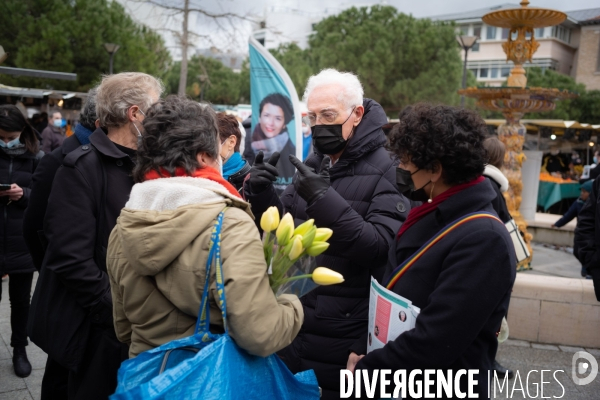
(276, 116)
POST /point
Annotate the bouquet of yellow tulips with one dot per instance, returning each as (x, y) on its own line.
(290, 254)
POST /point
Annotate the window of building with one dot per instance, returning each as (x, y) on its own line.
(505, 32)
(494, 73)
(475, 47)
(598, 62)
(490, 32)
(477, 30)
(483, 72)
(504, 72)
(562, 33)
(539, 33)
(464, 30)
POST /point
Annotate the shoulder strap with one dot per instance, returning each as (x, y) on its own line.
(402, 268)
(214, 257)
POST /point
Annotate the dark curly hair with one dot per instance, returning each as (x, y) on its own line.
(176, 130)
(431, 135)
(12, 120)
(279, 100)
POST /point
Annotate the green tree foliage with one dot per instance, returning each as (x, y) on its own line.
(223, 86)
(68, 36)
(297, 63)
(399, 59)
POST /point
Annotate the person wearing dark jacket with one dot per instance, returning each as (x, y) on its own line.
(577, 205)
(587, 236)
(235, 168)
(19, 149)
(495, 151)
(55, 381)
(33, 220)
(53, 135)
(347, 185)
(462, 283)
(72, 303)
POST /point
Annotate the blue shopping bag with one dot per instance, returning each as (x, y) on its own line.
(210, 366)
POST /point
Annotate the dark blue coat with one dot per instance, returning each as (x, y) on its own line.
(462, 285)
(365, 211)
(571, 213)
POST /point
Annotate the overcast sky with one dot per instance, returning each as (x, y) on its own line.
(418, 8)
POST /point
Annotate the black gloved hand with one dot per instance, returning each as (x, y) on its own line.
(263, 174)
(308, 184)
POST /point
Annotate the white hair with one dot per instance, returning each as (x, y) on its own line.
(117, 93)
(351, 93)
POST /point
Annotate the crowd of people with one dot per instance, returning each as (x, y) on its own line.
(117, 219)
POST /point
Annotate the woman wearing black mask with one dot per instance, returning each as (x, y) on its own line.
(461, 283)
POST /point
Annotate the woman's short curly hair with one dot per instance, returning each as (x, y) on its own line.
(451, 136)
(176, 130)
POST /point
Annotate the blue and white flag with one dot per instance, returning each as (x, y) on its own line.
(276, 115)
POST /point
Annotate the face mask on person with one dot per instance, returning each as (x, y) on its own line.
(328, 139)
(225, 158)
(57, 123)
(595, 160)
(135, 126)
(406, 185)
(220, 162)
(13, 144)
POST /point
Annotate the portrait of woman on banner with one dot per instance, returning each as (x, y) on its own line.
(271, 134)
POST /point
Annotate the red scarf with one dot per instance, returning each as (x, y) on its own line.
(206, 173)
(417, 213)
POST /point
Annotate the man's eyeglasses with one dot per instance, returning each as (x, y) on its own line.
(328, 117)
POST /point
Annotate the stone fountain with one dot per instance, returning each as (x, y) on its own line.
(517, 99)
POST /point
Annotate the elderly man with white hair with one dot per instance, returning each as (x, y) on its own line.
(349, 186)
(72, 315)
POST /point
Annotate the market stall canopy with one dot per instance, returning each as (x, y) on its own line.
(532, 124)
(39, 93)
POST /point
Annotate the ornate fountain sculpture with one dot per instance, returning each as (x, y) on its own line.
(517, 99)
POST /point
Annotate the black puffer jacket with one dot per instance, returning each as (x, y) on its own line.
(15, 255)
(365, 211)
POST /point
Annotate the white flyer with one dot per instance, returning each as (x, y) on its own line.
(389, 316)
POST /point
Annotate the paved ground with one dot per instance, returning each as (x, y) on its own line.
(520, 355)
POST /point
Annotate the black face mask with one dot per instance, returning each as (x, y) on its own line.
(407, 186)
(328, 139)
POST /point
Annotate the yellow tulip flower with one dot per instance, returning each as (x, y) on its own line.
(296, 248)
(285, 229)
(323, 234)
(325, 276)
(308, 238)
(270, 219)
(304, 227)
(317, 248)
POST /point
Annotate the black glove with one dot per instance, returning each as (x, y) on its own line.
(308, 184)
(263, 174)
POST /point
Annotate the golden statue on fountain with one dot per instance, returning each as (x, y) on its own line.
(517, 99)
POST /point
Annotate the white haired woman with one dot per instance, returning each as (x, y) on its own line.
(72, 305)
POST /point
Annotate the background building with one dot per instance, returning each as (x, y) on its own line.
(571, 48)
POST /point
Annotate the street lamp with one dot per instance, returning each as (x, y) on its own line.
(111, 48)
(466, 42)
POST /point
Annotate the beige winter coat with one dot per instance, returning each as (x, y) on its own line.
(156, 262)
